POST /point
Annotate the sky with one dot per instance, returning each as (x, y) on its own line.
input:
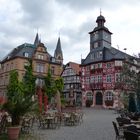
(72, 20)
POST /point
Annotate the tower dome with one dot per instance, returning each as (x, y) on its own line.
(100, 20)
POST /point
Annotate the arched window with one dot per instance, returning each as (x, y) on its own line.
(109, 96)
(89, 96)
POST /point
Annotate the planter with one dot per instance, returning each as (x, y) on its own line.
(13, 132)
(89, 103)
(109, 102)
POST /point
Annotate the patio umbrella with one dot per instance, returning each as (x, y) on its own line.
(58, 101)
(45, 103)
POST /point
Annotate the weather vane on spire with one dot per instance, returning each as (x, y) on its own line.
(100, 11)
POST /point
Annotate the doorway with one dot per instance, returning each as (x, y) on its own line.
(99, 98)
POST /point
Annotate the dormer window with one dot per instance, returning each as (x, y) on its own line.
(92, 56)
(53, 59)
(26, 54)
(8, 57)
(100, 53)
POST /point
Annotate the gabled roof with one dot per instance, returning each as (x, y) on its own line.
(107, 54)
(74, 66)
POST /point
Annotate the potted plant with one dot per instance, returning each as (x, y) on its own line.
(19, 100)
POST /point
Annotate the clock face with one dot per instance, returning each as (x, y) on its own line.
(106, 36)
(95, 44)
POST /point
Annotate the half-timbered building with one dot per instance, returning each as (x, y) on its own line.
(101, 69)
(72, 84)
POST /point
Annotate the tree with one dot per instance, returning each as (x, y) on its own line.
(128, 83)
(53, 87)
(59, 84)
(49, 85)
(19, 94)
(18, 102)
(132, 104)
(29, 80)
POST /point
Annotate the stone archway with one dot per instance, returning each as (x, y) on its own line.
(99, 98)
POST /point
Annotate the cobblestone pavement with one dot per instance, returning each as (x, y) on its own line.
(97, 125)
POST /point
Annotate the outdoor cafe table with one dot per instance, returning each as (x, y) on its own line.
(127, 125)
(49, 121)
(135, 122)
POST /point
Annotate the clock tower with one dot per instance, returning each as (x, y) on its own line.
(100, 36)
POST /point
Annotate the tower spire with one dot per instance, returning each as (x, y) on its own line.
(100, 11)
(58, 51)
(36, 42)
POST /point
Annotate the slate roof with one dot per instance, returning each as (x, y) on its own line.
(107, 55)
(37, 41)
(58, 49)
(21, 50)
(100, 28)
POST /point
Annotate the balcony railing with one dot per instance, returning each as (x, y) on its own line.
(98, 70)
(96, 85)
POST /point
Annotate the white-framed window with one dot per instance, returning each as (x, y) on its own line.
(52, 70)
(108, 65)
(92, 79)
(83, 73)
(117, 77)
(108, 78)
(99, 65)
(26, 54)
(40, 56)
(99, 78)
(12, 66)
(95, 44)
(118, 63)
(100, 53)
(92, 66)
(109, 95)
(87, 68)
(40, 68)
